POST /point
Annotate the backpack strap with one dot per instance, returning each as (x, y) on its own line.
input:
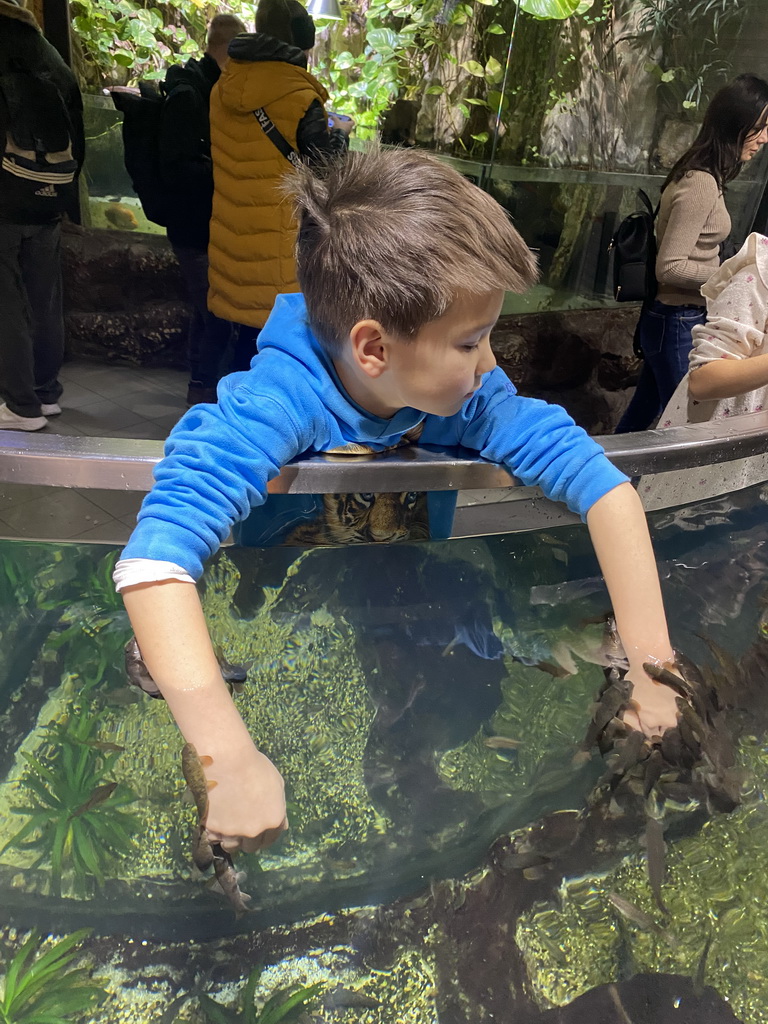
(645, 199)
(276, 138)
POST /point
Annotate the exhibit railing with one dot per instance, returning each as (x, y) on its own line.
(490, 500)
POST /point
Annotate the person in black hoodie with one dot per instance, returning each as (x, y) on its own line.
(185, 157)
(42, 143)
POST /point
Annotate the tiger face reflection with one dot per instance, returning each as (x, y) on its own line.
(366, 519)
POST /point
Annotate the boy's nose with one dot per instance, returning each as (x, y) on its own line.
(487, 360)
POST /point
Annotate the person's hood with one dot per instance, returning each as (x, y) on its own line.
(288, 331)
(18, 11)
(262, 69)
(255, 46)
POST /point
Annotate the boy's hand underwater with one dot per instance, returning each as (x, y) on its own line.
(654, 708)
(246, 807)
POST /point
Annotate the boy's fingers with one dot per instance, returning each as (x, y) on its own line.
(250, 844)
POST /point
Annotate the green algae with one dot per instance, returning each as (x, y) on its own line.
(306, 706)
(715, 882)
(529, 697)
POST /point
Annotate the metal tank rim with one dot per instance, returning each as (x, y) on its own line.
(491, 500)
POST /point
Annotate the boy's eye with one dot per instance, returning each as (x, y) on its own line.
(469, 348)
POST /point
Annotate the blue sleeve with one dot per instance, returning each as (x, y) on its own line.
(218, 460)
(539, 443)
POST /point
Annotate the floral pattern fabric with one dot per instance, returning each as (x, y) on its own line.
(737, 320)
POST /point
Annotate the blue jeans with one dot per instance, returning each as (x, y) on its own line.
(664, 333)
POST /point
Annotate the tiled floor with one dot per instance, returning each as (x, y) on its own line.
(98, 401)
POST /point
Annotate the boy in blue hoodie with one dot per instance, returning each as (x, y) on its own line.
(403, 265)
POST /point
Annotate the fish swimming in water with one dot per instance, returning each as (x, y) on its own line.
(656, 853)
(204, 852)
(501, 743)
(98, 796)
(121, 217)
(192, 767)
(227, 878)
(137, 671)
(640, 918)
(138, 674)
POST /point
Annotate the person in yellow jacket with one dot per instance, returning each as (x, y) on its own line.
(253, 231)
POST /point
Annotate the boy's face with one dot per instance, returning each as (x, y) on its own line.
(442, 367)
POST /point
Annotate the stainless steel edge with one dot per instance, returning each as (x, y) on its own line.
(125, 464)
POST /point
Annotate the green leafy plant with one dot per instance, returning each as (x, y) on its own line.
(284, 1006)
(42, 989)
(378, 55)
(76, 820)
(689, 35)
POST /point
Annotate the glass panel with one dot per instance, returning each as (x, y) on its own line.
(456, 839)
(112, 203)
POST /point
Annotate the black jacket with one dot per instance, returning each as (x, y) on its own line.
(23, 48)
(185, 151)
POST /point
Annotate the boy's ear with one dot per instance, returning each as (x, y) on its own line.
(370, 347)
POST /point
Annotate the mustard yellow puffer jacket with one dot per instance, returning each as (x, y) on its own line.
(253, 232)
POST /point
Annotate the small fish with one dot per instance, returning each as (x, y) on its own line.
(235, 676)
(226, 876)
(501, 743)
(202, 851)
(120, 216)
(192, 766)
(98, 796)
(640, 918)
(347, 998)
(656, 856)
(534, 874)
(701, 967)
(137, 671)
(628, 753)
(106, 746)
(612, 701)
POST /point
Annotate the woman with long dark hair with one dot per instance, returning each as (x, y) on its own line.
(692, 224)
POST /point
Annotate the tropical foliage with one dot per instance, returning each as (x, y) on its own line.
(285, 1006)
(43, 989)
(381, 51)
(477, 75)
(76, 823)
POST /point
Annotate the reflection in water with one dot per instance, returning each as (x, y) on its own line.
(451, 856)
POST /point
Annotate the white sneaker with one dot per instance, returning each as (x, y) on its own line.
(51, 410)
(12, 421)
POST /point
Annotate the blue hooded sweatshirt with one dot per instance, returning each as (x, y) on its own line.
(219, 458)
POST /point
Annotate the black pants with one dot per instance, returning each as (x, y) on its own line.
(209, 336)
(31, 316)
(244, 349)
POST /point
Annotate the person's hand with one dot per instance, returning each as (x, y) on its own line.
(246, 807)
(654, 705)
(344, 124)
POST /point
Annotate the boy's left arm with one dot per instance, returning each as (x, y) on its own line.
(542, 446)
(619, 532)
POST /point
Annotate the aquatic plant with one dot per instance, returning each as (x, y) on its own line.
(76, 821)
(285, 1005)
(42, 989)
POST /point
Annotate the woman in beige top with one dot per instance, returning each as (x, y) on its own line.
(692, 223)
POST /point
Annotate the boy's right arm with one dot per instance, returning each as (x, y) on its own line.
(247, 804)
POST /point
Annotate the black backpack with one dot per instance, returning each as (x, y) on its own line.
(142, 122)
(38, 170)
(634, 255)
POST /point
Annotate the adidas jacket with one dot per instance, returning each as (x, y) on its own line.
(23, 48)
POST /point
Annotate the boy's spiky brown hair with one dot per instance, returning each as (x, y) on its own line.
(394, 236)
